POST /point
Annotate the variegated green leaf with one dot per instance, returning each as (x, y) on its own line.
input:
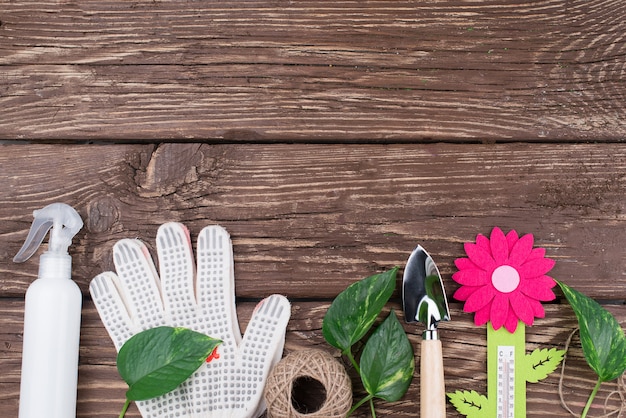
(354, 310)
(469, 403)
(601, 336)
(541, 362)
(157, 360)
(387, 361)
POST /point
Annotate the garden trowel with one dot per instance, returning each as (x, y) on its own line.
(425, 301)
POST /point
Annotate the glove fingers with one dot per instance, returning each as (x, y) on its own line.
(216, 285)
(138, 283)
(113, 312)
(111, 308)
(177, 273)
(259, 351)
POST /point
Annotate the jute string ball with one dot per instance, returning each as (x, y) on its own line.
(308, 367)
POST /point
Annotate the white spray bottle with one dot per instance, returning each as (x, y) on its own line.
(51, 318)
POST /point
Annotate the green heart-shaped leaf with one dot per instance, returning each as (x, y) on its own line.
(354, 310)
(387, 361)
(157, 360)
(601, 336)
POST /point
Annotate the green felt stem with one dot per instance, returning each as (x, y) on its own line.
(502, 338)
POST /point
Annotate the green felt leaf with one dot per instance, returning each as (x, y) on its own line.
(354, 310)
(387, 361)
(541, 362)
(601, 336)
(157, 360)
(469, 403)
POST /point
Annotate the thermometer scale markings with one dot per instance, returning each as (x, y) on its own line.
(506, 381)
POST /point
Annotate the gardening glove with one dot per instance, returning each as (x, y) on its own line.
(136, 299)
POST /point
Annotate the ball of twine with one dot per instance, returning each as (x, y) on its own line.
(308, 364)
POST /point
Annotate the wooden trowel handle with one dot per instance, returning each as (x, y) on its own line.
(432, 386)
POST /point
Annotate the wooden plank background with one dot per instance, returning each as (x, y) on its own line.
(329, 139)
(383, 70)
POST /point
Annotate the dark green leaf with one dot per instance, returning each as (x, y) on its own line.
(601, 336)
(354, 310)
(387, 361)
(157, 360)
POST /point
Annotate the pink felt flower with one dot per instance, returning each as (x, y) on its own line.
(504, 280)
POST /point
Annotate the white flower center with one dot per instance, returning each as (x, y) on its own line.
(505, 279)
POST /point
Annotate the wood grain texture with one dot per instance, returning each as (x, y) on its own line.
(400, 71)
(308, 220)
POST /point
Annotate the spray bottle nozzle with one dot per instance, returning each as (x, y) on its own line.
(65, 223)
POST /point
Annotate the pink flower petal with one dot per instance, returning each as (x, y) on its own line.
(511, 322)
(499, 246)
(480, 256)
(512, 238)
(479, 299)
(535, 267)
(473, 277)
(521, 307)
(545, 281)
(482, 315)
(483, 242)
(537, 253)
(499, 310)
(464, 292)
(521, 250)
(538, 288)
(464, 263)
(545, 296)
(537, 308)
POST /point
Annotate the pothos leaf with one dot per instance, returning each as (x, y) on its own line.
(541, 362)
(469, 403)
(354, 310)
(387, 361)
(601, 336)
(157, 360)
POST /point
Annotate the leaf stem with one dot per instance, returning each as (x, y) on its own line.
(358, 405)
(125, 408)
(372, 408)
(348, 353)
(591, 398)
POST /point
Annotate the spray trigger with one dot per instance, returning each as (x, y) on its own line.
(64, 221)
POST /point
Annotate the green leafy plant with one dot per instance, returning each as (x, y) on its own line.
(155, 361)
(387, 361)
(602, 339)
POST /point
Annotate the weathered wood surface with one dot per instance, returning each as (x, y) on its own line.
(316, 217)
(259, 83)
(307, 220)
(313, 70)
